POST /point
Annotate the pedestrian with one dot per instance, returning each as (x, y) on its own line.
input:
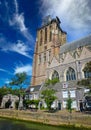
(81, 106)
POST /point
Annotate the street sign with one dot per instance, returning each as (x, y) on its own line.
(65, 85)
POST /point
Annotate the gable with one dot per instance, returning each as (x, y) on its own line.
(86, 53)
(53, 63)
(68, 58)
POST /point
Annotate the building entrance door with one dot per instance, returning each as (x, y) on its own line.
(59, 105)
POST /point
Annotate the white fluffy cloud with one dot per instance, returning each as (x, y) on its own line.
(18, 21)
(74, 14)
(23, 68)
(19, 47)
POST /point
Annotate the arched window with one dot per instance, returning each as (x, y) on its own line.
(87, 70)
(87, 74)
(55, 75)
(39, 58)
(70, 74)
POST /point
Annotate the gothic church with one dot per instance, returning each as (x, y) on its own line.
(54, 57)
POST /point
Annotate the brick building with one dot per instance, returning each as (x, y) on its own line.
(49, 39)
(54, 57)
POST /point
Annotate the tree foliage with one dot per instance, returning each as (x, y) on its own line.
(69, 105)
(51, 81)
(87, 67)
(19, 79)
(31, 102)
(7, 90)
(84, 82)
(49, 97)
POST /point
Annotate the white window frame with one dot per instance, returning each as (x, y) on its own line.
(65, 94)
(72, 93)
(64, 104)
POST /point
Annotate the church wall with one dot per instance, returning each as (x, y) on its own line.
(60, 62)
(76, 63)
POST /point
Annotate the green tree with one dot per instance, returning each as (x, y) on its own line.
(19, 79)
(49, 97)
(69, 105)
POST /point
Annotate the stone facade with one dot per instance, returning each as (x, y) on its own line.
(49, 39)
(32, 92)
(53, 56)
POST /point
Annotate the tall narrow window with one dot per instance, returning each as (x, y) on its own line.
(87, 74)
(39, 59)
(50, 38)
(49, 54)
(45, 35)
(87, 70)
(41, 37)
(70, 74)
(44, 57)
(55, 75)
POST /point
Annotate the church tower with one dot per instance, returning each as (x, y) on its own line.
(50, 37)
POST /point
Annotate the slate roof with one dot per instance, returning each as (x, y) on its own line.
(86, 41)
(33, 88)
(59, 86)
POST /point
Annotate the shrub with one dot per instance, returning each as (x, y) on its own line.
(16, 104)
(69, 105)
(52, 81)
(26, 103)
(36, 103)
(85, 82)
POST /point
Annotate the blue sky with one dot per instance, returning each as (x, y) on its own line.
(19, 20)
